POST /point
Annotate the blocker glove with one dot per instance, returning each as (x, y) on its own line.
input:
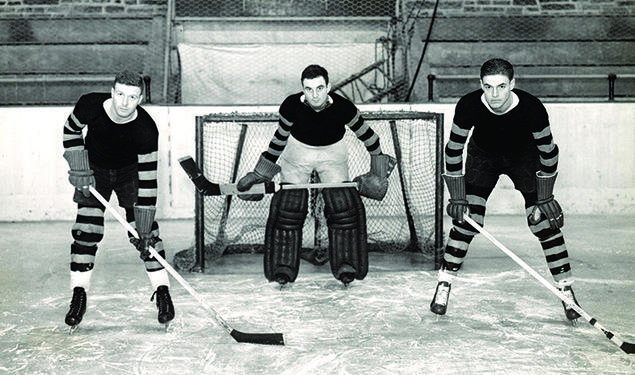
(264, 171)
(374, 184)
(80, 175)
(457, 205)
(144, 217)
(546, 204)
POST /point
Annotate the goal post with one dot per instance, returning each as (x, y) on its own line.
(409, 218)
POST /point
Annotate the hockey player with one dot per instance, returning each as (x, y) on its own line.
(311, 129)
(511, 135)
(119, 153)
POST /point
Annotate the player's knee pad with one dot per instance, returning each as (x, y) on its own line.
(283, 235)
(346, 220)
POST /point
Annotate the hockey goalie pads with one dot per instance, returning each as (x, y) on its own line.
(283, 235)
(457, 204)
(546, 204)
(346, 221)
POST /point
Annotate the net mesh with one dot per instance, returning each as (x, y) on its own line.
(403, 221)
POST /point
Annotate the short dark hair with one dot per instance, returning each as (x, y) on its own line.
(129, 78)
(497, 66)
(314, 71)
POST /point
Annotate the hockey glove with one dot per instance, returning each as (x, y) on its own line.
(382, 165)
(374, 184)
(80, 175)
(144, 217)
(264, 171)
(457, 205)
(546, 204)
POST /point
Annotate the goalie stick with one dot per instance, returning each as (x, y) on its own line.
(206, 187)
(627, 347)
(253, 338)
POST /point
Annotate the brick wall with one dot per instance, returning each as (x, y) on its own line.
(81, 7)
(446, 7)
(450, 8)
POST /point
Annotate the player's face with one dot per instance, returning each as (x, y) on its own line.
(316, 91)
(125, 100)
(498, 91)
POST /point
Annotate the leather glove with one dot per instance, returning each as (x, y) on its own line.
(264, 171)
(457, 204)
(80, 175)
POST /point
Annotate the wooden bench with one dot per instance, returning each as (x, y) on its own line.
(56, 60)
(562, 58)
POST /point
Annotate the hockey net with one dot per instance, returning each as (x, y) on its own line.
(409, 218)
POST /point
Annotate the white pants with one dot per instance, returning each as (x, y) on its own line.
(299, 160)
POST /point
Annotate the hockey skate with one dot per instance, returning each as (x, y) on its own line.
(571, 314)
(164, 305)
(439, 304)
(77, 309)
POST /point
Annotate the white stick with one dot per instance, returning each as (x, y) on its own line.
(625, 346)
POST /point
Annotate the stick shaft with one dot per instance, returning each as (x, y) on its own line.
(610, 335)
(217, 318)
(230, 189)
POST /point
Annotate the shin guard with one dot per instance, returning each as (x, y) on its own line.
(283, 235)
(346, 220)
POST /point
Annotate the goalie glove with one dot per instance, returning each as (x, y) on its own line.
(144, 217)
(80, 175)
(374, 184)
(546, 204)
(264, 171)
(457, 204)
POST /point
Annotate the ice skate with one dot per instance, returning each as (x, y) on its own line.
(439, 304)
(571, 314)
(346, 274)
(77, 309)
(164, 305)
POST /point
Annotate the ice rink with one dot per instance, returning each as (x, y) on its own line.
(500, 320)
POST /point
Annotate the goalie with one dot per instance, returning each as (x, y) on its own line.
(311, 129)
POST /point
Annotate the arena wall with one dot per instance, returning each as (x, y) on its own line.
(597, 163)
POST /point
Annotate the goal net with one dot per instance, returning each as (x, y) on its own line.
(409, 218)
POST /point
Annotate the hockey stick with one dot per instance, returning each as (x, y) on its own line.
(206, 187)
(253, 338)
(627, 347)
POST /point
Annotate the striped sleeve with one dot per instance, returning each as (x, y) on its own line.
(365, 133)
(279, 140)
(547, 150)
(454, 148)
(73, 138)
(147, 164)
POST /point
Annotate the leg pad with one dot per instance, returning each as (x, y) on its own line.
(346, 221)
(283, 235)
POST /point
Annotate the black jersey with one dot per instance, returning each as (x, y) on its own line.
(320, 128)
(113, 146)
(524, 128)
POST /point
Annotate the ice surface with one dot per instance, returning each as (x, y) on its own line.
(500, 320)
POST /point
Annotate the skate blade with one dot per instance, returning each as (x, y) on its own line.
(72, 329)
(166, 326)
(574, 322)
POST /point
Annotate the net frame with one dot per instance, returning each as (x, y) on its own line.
(431, 246)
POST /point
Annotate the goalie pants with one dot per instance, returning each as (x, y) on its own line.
(88, 229)
(299, 160)
(481, 175)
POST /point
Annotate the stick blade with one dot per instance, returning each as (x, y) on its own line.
(258, 338)
(628, 347)
(189, 166)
